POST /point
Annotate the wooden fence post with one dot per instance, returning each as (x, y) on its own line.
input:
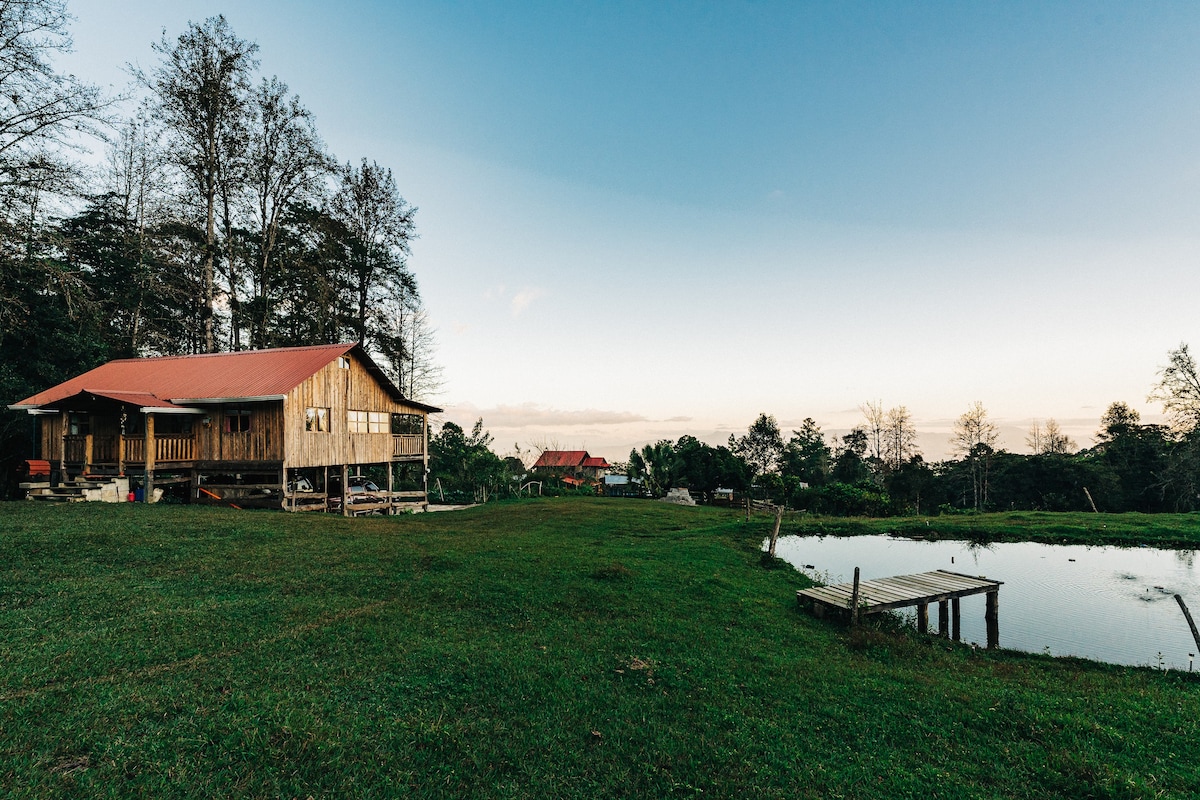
(775, 532)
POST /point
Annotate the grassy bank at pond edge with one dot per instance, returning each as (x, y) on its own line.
(1171, 531)
(556, 648)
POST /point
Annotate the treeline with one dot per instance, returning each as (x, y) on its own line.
(876, 470)
(218, 219)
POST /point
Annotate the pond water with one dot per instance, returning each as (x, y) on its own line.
(1103, 603)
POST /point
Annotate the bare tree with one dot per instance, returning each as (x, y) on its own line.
(1178, 390)
(40, 109)
(201, 87)
(876, 420)
(899, 437)
(975, 438)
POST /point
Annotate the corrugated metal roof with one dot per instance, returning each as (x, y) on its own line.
(550, 459)
(597, 463)
(212, 376)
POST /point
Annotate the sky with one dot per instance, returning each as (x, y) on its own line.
(640, 220)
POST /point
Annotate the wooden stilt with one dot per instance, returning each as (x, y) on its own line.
(956, 615)
(345, 490)
(944, 619)
(854, 600)
(992, 617)
(922, 618)
(391, 508)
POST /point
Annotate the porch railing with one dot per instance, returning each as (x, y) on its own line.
(408, 444)
(167, 447)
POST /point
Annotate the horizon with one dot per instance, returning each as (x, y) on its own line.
(634, 218)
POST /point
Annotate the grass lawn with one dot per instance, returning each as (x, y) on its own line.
(548, 648)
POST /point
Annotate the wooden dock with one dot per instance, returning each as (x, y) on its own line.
(886, 594)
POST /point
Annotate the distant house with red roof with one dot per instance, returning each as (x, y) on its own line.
(573, 466)
(288, 423)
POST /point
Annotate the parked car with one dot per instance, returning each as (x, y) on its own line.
(360, 491)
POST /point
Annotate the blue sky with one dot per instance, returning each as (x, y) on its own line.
(640, 220)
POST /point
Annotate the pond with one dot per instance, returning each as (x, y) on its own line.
(1104, 603)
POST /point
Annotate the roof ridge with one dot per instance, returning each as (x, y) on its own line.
(228, 353)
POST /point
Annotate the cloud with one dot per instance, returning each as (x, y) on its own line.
(532, 415)
(524, 298)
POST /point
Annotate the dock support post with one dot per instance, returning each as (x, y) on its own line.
(854, 600)
(1188, 616)
(991, 616)
(957, 616)
(922, 618)
(944, 619)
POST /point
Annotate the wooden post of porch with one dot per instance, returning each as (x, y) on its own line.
(345, 490)
(148, 484)
(992, 617)
(391, 509)
(87, 453)
(64, 425)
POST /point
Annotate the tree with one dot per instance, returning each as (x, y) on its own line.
(39, 107)
(761, 447)
(975, 438)
(899, 438)
(1178, 390)
(285, 163)
(807, 457)
(850, 465)
(201, 87)
(465, 462)
(1049, 440)
(876, 422)
(380, 223)
(655, 466)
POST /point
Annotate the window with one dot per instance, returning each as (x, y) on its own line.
(367, 421)
(344, 362)
(408, 424)
(237, 420)
(316, 419)
(80, 424)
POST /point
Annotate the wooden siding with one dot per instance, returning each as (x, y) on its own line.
(263, 442)
(343, 390)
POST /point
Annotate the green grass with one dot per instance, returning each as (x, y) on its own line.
(1174, 531)
(552, 648)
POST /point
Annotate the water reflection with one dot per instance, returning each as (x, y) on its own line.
(1103, 603)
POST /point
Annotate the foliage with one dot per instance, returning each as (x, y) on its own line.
(465, 464)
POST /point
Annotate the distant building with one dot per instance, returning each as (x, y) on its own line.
(573, 466)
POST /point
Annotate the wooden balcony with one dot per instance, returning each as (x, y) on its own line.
(408, 445)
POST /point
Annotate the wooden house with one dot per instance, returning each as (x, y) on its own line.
(291, 427)
(575, 467)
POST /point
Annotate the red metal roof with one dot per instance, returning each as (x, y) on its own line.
(552, 459)
(596, 463)
(211, 376)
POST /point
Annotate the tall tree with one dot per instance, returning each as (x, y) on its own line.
(39, 106)
(201, 86)
(381, 225)
(285, 163)
(1178, 390)
(899, 438)
(806, 456)
(761, 447)
(975, 438)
